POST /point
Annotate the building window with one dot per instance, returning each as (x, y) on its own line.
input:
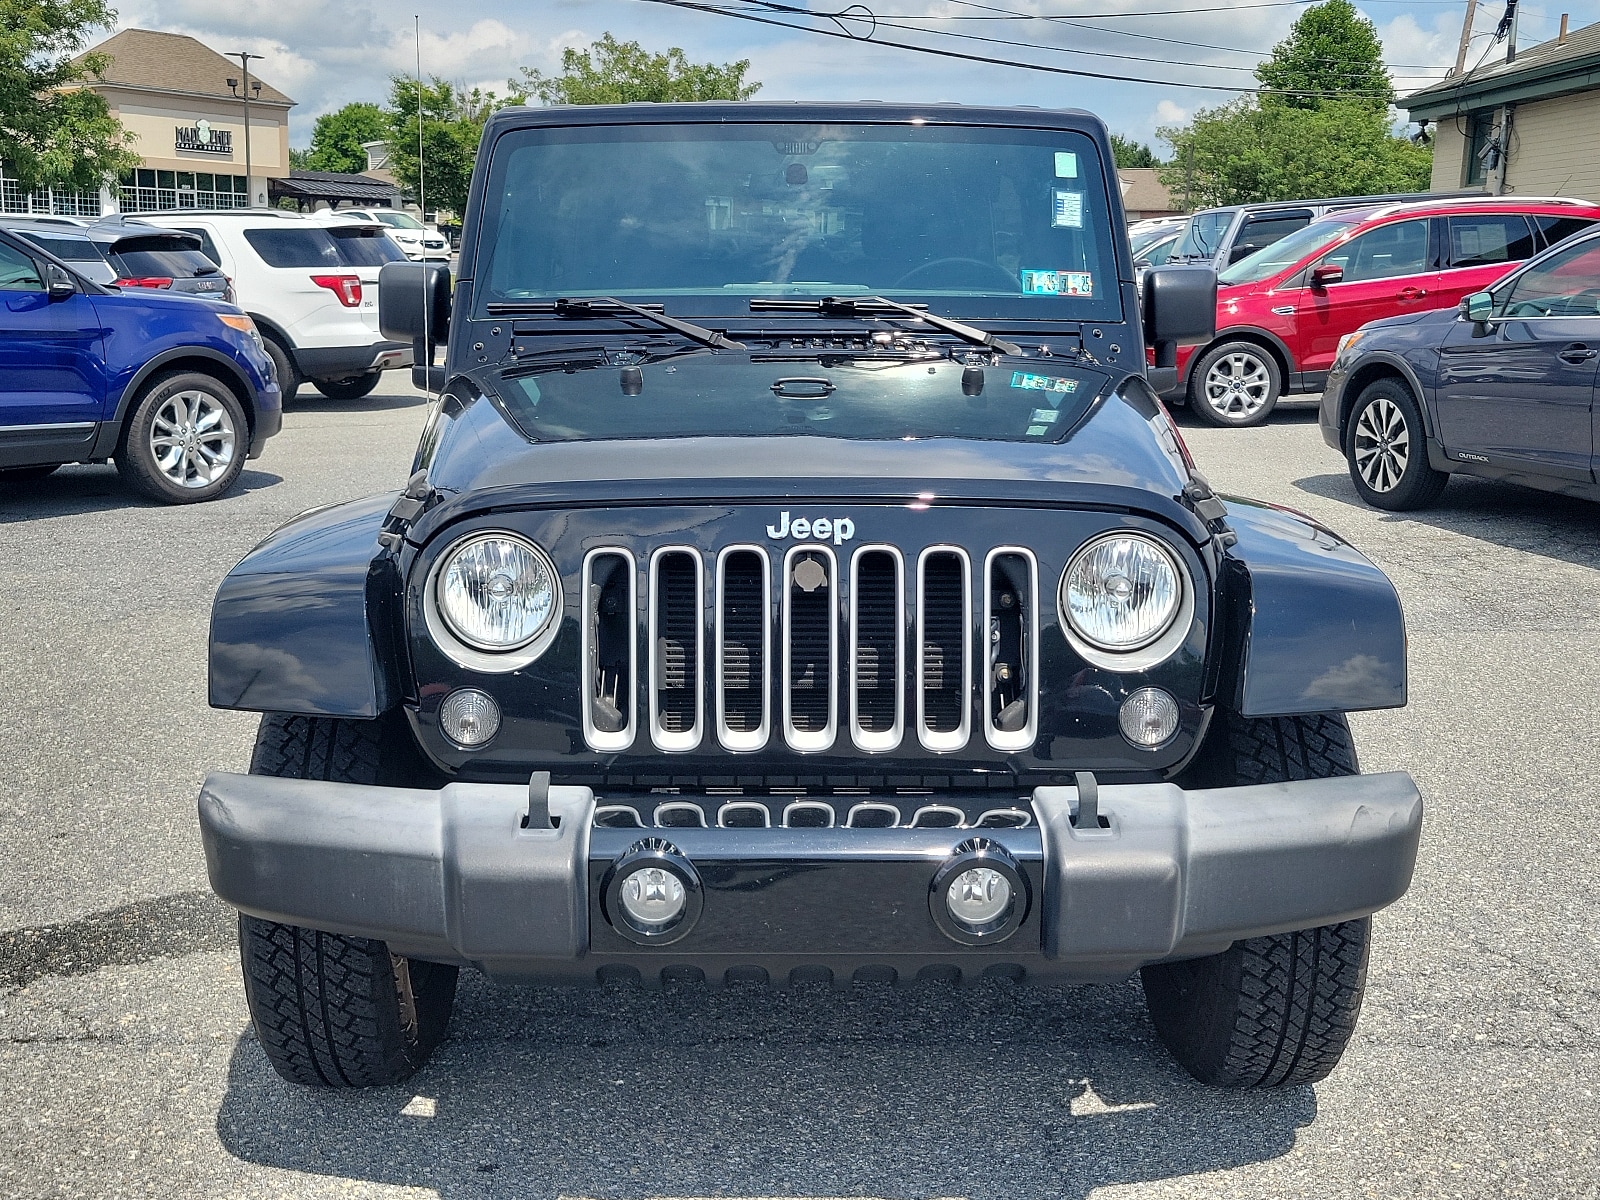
(1480, 131)
(45, 201)
(160, 191)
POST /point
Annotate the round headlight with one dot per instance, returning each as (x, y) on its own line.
(1121, 592)
(497, 592)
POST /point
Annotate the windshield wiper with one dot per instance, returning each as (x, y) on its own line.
(591, 307)
(854, 306)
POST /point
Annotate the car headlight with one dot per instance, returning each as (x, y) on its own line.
(1121, 591)
(497, 592)
(1347, 341)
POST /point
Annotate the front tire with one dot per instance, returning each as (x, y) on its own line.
(1271, 1011)
(331, 1010)
(353, 388)
(1386, 449)
(1235, 384)
(185, 441)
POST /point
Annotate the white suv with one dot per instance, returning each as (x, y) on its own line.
(411, 235)
(312, 287)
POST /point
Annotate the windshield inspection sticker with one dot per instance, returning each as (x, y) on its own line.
(1042, 383)
(1066, 164)
(1037, 430)
(1057, 283)
(1044, 416)
(1067, 211)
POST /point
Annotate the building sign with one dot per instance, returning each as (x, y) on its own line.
(200, 138)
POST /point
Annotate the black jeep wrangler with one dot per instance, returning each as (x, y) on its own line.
(799, 580)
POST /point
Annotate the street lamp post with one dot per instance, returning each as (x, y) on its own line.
(244, 61)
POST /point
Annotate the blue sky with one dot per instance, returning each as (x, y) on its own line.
(325, 53)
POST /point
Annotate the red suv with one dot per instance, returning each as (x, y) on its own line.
(1282, 310)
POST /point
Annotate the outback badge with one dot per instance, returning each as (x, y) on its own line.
(840, 529)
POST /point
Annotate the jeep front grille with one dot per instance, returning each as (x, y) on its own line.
(786, 651)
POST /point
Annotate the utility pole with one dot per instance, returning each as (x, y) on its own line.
(1466, 37)
(249, 178)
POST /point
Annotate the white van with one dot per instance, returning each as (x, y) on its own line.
(312, 287)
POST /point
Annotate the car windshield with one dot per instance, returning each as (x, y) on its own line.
(1144, 240)
(975, 221)
(1203, 234)
(398, 220)
(1312, 239)
(773, 394)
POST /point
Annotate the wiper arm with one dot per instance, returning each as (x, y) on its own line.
(599, 306)
(851, 306)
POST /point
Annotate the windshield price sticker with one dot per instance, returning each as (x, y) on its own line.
(1066, 164)
(1057, 283)
(1042, 383)
(1067, 210)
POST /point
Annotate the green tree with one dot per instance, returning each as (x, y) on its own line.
(1245, 152)
(1130, 153)
(1331, 49)
(452, 125)
(337, 136)
(53, 133)
(613, 72)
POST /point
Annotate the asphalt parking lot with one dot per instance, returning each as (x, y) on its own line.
(128, 1068)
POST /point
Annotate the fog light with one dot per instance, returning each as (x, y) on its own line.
(652, 896)
(469, 718)
(979, 895)
(652, 893)
(1149, 718)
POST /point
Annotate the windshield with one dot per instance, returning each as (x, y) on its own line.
(729, 394)
(1203, 234)
(1141, 241)
(997, 221)
(1311, 239)
(398, 220)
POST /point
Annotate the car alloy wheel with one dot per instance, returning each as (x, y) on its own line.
(192, 439)
(1381, 445)
(1238, 385)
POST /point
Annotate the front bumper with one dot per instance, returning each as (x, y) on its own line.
(1328, 407)
(451, 875)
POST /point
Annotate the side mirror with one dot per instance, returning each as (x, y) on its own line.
(1241, 250)
(414, 306)
(1478, 307)
(1327, 273)
(58, 283)
(1179, 305)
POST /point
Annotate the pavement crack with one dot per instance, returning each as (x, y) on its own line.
(164, 927)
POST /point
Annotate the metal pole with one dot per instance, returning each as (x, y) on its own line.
(422, 205)
(249, 181)
(1466, 37)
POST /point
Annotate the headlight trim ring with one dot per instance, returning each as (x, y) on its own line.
(454, 646)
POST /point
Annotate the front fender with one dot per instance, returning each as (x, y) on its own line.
(1312, 626)
(305, 622)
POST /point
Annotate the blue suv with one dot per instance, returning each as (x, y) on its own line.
(177, 390)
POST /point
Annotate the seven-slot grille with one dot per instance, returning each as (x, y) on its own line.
(785, 650)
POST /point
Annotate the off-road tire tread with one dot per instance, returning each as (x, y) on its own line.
(1272, 1011)
(326, 1006)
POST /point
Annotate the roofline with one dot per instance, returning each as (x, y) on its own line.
(93, 82)
(1517, 201)
(1539, 81)
(852, 112)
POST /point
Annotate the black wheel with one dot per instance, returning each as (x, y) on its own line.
(283, 366)
(1386, 447)
(331, 1010)
(1235, 384)
(1272, 1011)
(353, 388)
(185, 440)
(13, 475)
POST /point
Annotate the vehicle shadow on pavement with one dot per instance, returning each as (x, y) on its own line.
(310, 400)
(97, 487)
(1519, 518)
(991, 1093)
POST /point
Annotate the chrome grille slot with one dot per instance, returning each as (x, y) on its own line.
(1004, 818)
(808, 814)
(680, 814)
(617, 816)
(938, 816)
(877, 648)
(743, 814)
(677, 605)
(1011, 659)
(810, 648)
(610, 649)
(744, 671)
(871, 815)
(944, 659)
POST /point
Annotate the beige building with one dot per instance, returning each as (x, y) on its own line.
(174, 95)
(1528, 127)
(1144, 195)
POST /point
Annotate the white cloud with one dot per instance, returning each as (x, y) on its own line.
(1168, 113)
